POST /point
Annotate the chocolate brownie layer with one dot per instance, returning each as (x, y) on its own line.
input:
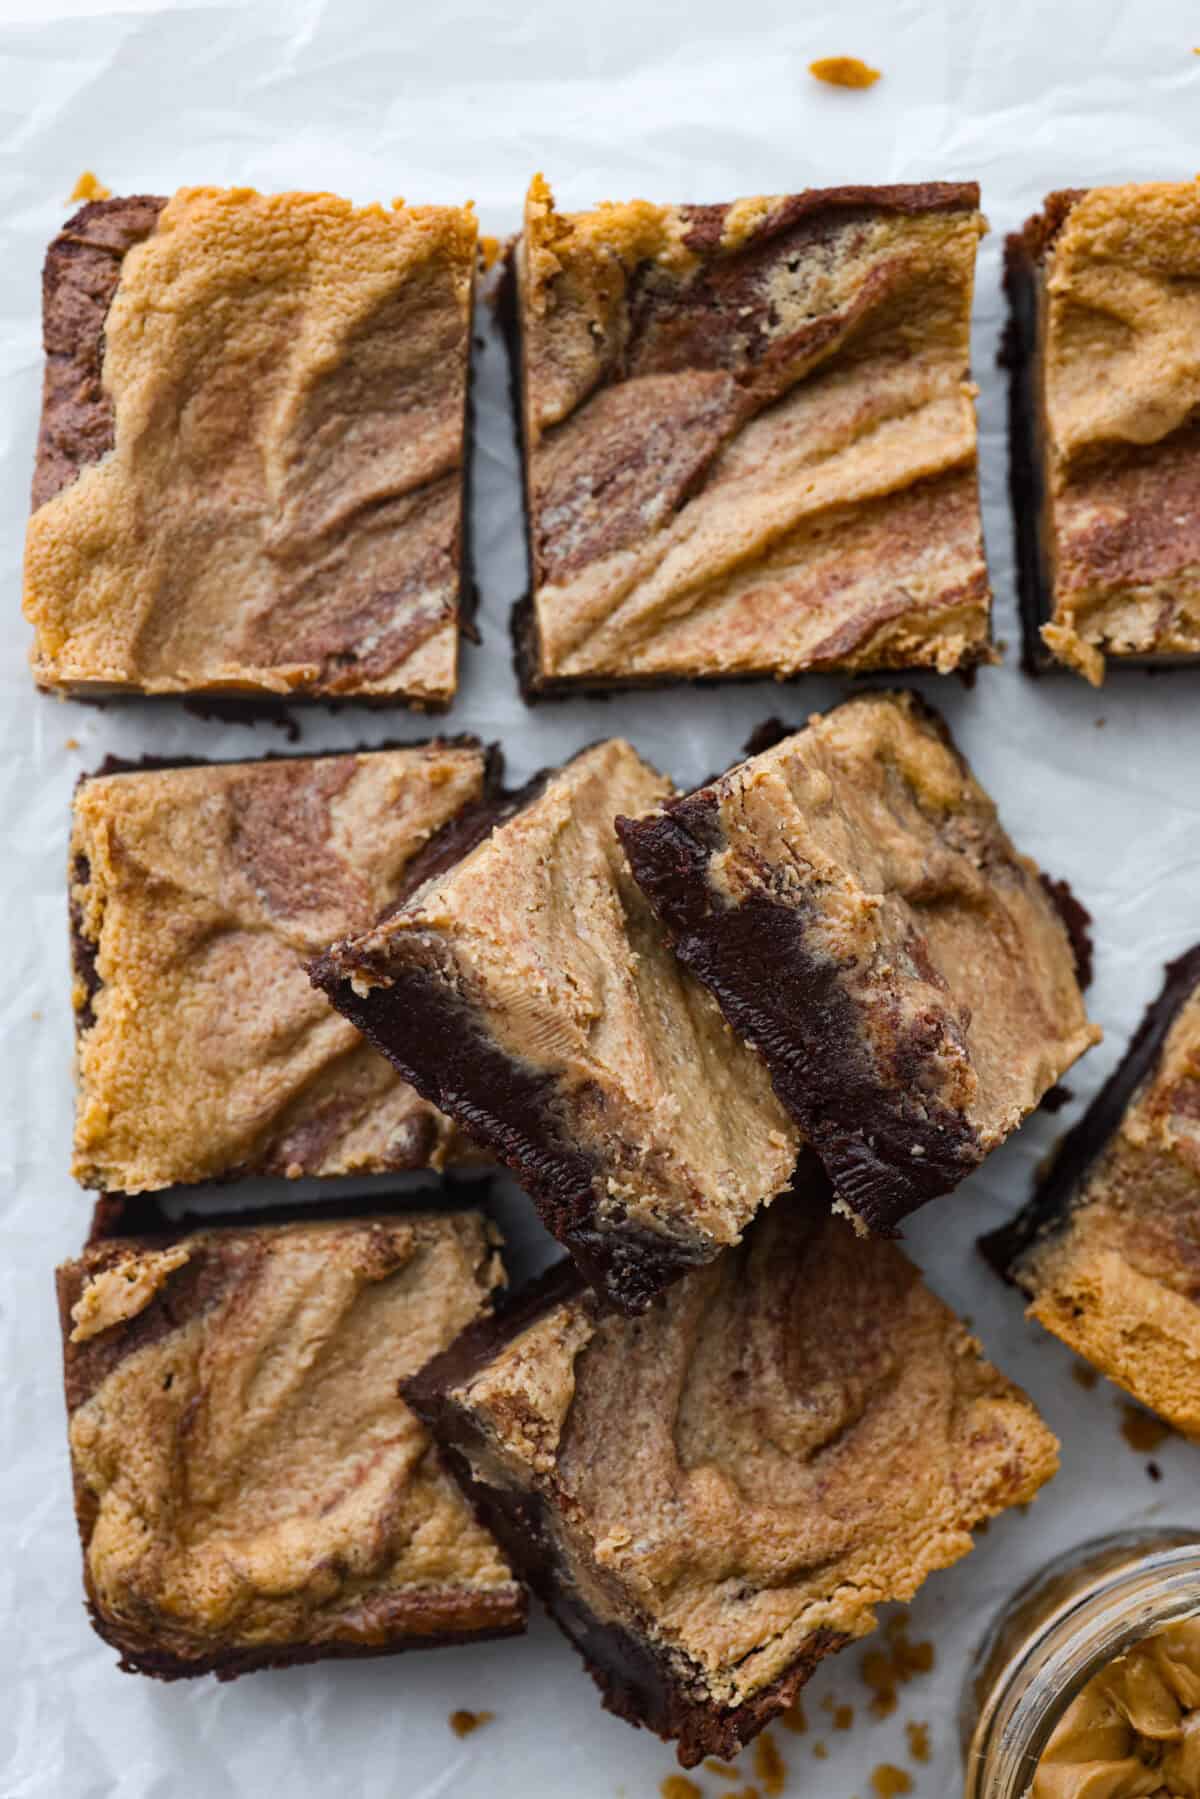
(749, 437)
(853, 903)
(1108, 1249)
(712, 1497)
(197, 895)
(251, 463)
(1104, 448)
(251, 1490)
(527, 991)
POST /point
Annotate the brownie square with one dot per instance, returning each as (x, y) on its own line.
(251, 460)
(1103, 440)
(710, 1498)
(197, 894)
(749, 437)
(528, 992)
(852, 901)
(1108, 1248)
(250, 1487)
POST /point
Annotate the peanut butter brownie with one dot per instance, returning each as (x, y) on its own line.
(852, 901)
(197, 895)
(250, 469)
(749, 437)
(1108, 1249)
(1102, 350)
(528, 992)
(712, 1497)
(250, 1487)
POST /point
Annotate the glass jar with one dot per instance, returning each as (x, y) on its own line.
(1059, 1630)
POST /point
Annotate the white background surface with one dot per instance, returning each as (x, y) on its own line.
(439, 101)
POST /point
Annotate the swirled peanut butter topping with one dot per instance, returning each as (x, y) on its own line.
(751, 434)
(789, 1437)
(198, 895)
(1134, 1730)
(1120, 370)
(276, 503)
(246, 1469)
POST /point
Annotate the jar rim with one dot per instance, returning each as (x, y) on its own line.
(1143, 1582)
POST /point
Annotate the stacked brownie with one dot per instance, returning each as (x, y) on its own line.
(726, 1040)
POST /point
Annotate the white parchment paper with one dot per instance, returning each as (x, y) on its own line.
(438, 100)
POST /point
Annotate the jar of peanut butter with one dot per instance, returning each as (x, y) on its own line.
(1087, 1686)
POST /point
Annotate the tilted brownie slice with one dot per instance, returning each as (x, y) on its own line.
(852, 901)
(250, 1487)
(1103, 350)
(1108, 1249)
(749, 437)
(528, 992)
(251, 461)
(197, 894)
(712, 1497)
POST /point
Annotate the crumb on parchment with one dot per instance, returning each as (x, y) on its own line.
(89, 187)
(462, 1723)
(844, 71)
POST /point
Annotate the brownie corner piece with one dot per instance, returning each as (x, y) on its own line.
(251, 1495)
(196, 894)
(1107, 1248)
(851, 900)
(527, 992)
(749, 442)
(282, 513)
(865, 1433)
(1103, 444)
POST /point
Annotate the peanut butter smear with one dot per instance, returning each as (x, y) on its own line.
(751, 435)
(791, 1436)
(245, 1470)
(1117, 1282)
(1120, 306)
(275, 503)
(843, 71)
(1134, 1730)
(197, 896)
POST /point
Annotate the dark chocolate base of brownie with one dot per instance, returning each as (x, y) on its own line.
(423, 1620)
(636, 1684)
(1050, 1207)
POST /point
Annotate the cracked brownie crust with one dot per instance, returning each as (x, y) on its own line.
(1104, 447)
(252, 451)
(527, 991)
(815, 1433)
(1108, 1249)
(749, 437)
(251, 1494)
(197, 895)
(853, 903)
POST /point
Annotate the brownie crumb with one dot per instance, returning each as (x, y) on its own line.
(820, 1751)
(769, 1766)
(678, 1786)
(887, 1780)
(89, 187)
(794, 1719)
(883, 1670)
(1056, 1097)
(1084, 1375)
(723, 1770)
(1142, 1430)
(844, 71)
(462, 1723)
(918, 1740)
(1153, 1470)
